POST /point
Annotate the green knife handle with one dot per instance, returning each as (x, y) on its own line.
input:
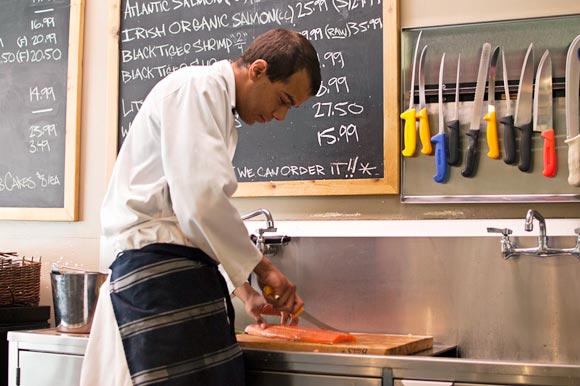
(471, 154)
(454, 158)
(525, 147)
(509, 139)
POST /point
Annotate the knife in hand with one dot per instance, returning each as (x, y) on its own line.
(424, 130)
(491, 131)
(523, 120)
(473, 132)
(454, 158)
(509, 135)
(572, 119)
(439, 139)
(410, 127)
(542, 113)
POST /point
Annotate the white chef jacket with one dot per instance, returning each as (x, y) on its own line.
(172, 183)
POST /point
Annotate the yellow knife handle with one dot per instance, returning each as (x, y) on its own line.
(574, 160)
(424, 132)
(492, 141)
(410, 132)
(297, 313)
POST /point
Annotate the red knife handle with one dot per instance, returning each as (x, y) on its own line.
(550, 159)
(509, 139)
(525, 164)
(454, 158)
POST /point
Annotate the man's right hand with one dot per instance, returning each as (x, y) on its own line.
(283, 296)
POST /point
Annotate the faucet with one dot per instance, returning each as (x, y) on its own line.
(509, 249)
(268, 245)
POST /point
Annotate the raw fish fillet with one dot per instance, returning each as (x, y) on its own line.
(300, 334)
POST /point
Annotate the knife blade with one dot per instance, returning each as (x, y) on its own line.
(572, 120)
(424, 130)
(315, 321)
(491, 131)
(439, 139)
(454, 158)
(473, 132)
(509, 135)
(523, 119)
(410, 126)
(542, 113)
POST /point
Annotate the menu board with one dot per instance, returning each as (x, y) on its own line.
(335, 143)
(39, 93)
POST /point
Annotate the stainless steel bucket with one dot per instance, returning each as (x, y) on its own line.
(75, 298)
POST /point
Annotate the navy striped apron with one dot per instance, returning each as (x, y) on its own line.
(175, 317)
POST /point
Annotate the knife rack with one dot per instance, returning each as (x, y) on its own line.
(494, 181)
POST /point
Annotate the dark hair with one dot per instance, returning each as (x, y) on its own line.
(286, 52)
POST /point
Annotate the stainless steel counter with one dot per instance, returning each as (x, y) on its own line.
(294, 368)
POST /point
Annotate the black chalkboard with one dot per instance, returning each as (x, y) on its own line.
(337, 135)
(35, 151)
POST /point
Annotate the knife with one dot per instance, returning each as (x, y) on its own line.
(491, 131)
(542, 113)
(572, 124)
(315, 321)
(439, 139)
(509, 135)
(523, 120)
(473, 132)
(454, 158)
(424, 130)
(410, 127)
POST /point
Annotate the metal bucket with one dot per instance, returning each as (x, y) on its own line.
(75, 298)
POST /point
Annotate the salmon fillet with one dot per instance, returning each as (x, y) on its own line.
(300, 334)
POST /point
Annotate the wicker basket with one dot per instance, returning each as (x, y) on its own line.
(19, 280)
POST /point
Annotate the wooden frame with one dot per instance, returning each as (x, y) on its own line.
(389, 184)
(69, 211)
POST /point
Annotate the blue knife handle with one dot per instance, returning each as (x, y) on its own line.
(509, 139)
(471, 154)
(440, 157)
(526, 147)
(454, 156)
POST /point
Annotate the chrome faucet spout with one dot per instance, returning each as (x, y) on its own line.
(266, 213)
(529, 226)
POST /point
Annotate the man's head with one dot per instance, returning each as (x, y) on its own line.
(279, 70)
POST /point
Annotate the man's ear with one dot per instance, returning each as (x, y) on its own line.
(258, 69)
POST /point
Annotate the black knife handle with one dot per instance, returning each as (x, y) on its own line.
(509, 139)
(471, 154)
(454, 158)
(525, 147)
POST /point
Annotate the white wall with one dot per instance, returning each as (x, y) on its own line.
(77, 243)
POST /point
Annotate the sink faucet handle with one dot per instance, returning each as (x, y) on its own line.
(504, 231)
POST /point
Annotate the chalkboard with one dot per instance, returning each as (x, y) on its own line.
(39, 108)
(343, 141)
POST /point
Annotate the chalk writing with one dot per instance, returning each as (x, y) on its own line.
(338, 134)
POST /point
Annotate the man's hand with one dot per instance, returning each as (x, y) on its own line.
(283, 296)
(254, 303)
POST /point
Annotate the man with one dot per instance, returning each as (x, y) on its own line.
(161, 317)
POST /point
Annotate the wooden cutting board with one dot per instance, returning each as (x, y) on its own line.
(366, 344)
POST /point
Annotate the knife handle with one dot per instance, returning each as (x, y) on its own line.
(454, 158)
(410, 132)
(440, 157)
(491, 133)
(574, 160)
(471, 154)
(509, 139)
(525, 147)
(550, 159)
(424, 132)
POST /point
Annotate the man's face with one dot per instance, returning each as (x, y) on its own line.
(263, 100)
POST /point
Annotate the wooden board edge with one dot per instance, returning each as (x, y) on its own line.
(112, 87)
(316, 188)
